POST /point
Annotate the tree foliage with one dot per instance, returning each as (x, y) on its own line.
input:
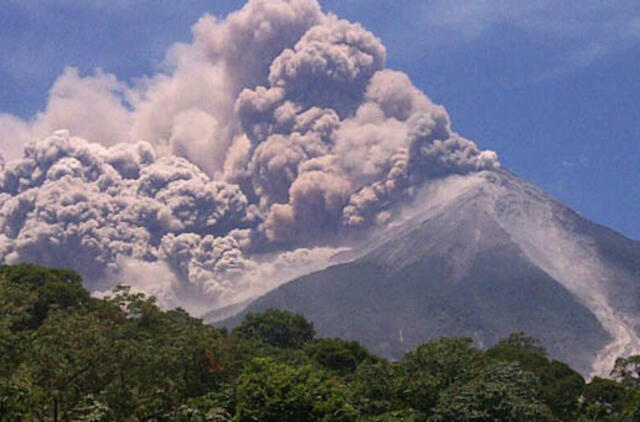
(274, 392)
(500, 392)
(65, 356)
(339, 355)
(559, 386)
(278, 328)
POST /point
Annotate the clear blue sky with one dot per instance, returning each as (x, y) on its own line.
(553, 87)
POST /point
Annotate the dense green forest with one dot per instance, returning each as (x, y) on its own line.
(65, 356)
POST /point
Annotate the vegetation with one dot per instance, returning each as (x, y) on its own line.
(65, 356)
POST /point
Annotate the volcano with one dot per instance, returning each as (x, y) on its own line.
(480, 255)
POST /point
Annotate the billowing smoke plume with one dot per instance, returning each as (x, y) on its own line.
(272, 136)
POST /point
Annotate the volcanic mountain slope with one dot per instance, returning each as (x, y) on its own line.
(481, 255)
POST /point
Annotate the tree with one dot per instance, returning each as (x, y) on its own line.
(558, 386)
(500, 392)
(405, 415)
(62, 288)
(70, 358)
(435, 366)
(277, 327)
(379, 387)
(519, 348)
(35, 276)
(27, 294)
(67, 357)
(604, 400)
(523, 342)
(273, 392)
(338, 355)
(627, 370)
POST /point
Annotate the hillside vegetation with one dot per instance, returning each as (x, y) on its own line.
(65, 356)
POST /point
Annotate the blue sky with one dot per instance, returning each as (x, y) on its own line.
(553, 87)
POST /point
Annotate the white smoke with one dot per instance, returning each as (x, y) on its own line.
(252, 154)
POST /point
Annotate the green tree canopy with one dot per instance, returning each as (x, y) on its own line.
(500, 392)
(273, 392)
(336, 354)
(276, 327)
(558, 386)
(65, 356)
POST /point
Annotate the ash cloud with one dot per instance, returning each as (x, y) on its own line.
(255, 152)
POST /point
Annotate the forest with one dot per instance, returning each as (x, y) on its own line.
(68, 356)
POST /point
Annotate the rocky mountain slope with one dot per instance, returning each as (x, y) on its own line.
(481, 255)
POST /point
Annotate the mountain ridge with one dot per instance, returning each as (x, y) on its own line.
(487, 254)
